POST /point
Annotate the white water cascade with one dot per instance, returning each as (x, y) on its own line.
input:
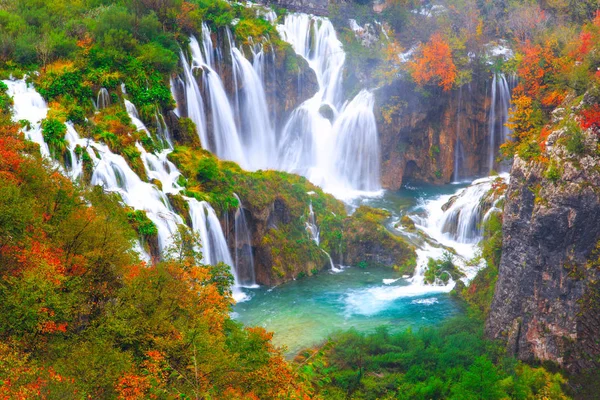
(214, 245)
(498, 132)
(226, 142)
(314, 233)
(113, 173)
(103, 99)
(244, 259)
(456, 220)
(322, 137)
(333, 142)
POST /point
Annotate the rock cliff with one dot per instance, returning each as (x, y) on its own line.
(418, 132)
(546, 304)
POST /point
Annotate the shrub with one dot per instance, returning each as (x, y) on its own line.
(53, 132)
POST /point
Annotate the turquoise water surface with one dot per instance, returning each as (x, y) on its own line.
(305, 312)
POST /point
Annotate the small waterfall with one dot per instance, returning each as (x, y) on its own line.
(456, 220)
(162, 130)
(314, 233)
(244, 260)
(30, 106)
(103, 99)
(135, 118)
(311, 225)
(214, 245)
(498, 132)
(458, 149)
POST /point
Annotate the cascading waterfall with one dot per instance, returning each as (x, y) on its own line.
(456, 220)
(498, 132)
(227, 143)
(332, 142)
(318, 126)
(214, 245)
(244, 259)
(114, 174)
(29, 106)
(259, 135)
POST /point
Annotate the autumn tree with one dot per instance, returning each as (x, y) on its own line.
(433, 64)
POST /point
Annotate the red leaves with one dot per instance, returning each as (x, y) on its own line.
(434, 64)
(590, 118)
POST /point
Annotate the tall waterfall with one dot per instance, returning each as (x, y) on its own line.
(244, 259)
(330, 140)
(498, 132)
(335, 145)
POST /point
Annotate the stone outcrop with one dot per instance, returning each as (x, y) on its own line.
(418, 132)
(546, 304)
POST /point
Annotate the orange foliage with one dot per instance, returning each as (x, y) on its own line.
(434, 64)
(590, 118)
(132, 387)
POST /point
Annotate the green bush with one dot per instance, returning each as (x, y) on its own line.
(142, 224)
(54, 132)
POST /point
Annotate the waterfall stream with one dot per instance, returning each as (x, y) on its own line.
(113, 173)
(330, 140)
(498, 132)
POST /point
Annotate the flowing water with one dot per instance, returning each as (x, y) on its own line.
(305, 312)
(331, 140)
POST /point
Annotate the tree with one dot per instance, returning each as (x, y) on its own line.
(433, 64)
(480, 382)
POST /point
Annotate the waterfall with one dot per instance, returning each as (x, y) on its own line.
(320, 141)
(498, 132)
(29, 106)
(331, 141)
(259, 135)
(214, 246)
(314, 233)
(244, 259)
(458, 150)
(227, 143)
(103, 99)
(457, 220)
(135, 118)
(113, 173)
(193, 100)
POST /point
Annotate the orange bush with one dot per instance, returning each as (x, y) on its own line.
(434, 64)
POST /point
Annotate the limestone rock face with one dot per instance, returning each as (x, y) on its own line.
(546, 304)
(418, 132)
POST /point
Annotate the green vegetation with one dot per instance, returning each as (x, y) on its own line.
(442, 270)
(451, 361)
